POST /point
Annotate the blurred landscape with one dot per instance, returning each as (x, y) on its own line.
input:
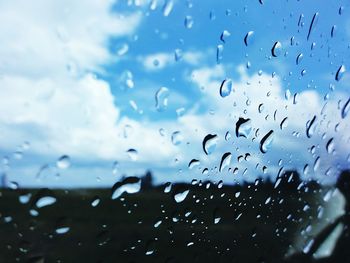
(198, 222)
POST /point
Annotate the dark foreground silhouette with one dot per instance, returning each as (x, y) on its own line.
(258, 222)
(341, 253)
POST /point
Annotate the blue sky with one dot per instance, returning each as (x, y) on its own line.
(80, 80)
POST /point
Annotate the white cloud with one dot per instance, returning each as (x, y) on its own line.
(62, 111)
(72, 112)
(48, 36)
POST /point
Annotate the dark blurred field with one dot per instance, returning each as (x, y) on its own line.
(122, 230)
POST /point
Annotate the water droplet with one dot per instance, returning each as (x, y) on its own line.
(317, 163)
(24, 198)
(157, 223)
(310, 127)
(62, 230)
(18, 155)
(122, 49)
(243, 127)
(292, 41)
(345, 109)
(133, 154)
(299, 58)
(333, 30)
(45, 201)
(276, 49)
(167, 187)
(341, 10)
(225, 35)
(330, 145)
(150, 248)
(248, 38)
(312, 24)
(225, 161)
(266, 141)
(133, 105)
(284, 123)
(115, 167)
(178, 54)
(130, 185)
(287, 94)
(308, 246)
(168, 7)
(193, 163)
(63, 162)
(216, 216)
(225, 87)
(188, 22)
(227, 136)
(162, 98)
(95, 201)
(176, 138)
(209, 143)
(219, 53)
(180, 196)
(153, 5)
(340, 73)
(180, 111)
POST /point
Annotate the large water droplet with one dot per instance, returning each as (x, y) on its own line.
(310, 127)
(317, 163)
(193, 163)
(284, 123)
(225, 161)
(129, 185)
(180, 196)
(168, 7)
(209, 143)
(266, 141)
(225, 35)
(225, 87)
(330, 145)
(276, 49)
(162, 98)
(176, 138)
(340, 73)
(345, 109)
(333, 31)
(243, 127)
(299, 58)
(312, 24)
(248, 38)
(63, 162)
(45, 201)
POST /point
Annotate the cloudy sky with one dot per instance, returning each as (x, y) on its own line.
(91, 92)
